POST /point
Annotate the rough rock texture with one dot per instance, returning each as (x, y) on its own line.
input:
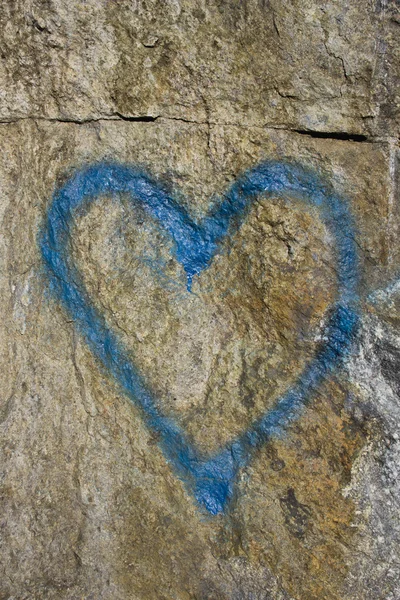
(197, 93)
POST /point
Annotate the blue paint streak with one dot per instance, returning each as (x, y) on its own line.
(211, 480)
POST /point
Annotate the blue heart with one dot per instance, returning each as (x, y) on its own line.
(210, 479)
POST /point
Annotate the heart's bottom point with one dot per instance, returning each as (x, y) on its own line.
(213, 495)
(213, 481)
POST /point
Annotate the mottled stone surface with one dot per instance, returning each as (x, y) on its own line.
(90, 508)
(326, 66)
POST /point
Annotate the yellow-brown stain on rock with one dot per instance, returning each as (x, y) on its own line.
(291, 499)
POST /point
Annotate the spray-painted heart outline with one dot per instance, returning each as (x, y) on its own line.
(210, 479)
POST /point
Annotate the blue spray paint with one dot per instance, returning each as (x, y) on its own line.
(210, 479)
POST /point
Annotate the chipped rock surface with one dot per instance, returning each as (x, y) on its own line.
(200, 292)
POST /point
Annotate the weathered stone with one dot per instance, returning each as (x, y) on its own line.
(312, 65)
(91, 506)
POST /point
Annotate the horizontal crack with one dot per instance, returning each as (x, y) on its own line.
(333, 135)
(140, 119)
(112, 117)
(117, 116)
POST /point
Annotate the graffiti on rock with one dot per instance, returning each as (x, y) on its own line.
(210, 479)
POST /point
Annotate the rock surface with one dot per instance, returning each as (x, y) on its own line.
(196, 94)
